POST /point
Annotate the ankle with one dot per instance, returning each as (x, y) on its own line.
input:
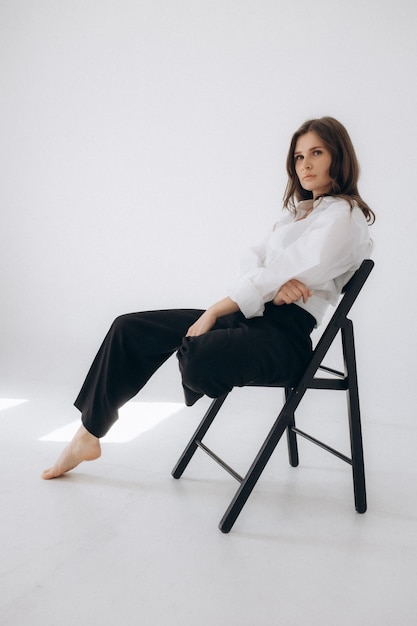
(84, 435)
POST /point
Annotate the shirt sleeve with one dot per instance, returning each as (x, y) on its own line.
(326, 246)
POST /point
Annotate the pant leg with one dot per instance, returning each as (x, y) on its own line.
(273, 349)
(136, 345)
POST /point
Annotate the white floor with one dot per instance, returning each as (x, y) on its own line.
(120, 542)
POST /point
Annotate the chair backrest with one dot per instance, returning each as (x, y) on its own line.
(350, 293)
(354, 285)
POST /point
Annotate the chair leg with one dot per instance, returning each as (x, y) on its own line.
(358, 467)
(192, 446)
(291, 436)
(256, 469)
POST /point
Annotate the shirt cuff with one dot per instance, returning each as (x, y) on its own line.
(248, 298)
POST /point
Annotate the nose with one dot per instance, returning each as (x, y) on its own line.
(306, 165)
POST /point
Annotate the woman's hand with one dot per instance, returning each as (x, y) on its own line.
(209, 317)
(292, 291)
(202, 325)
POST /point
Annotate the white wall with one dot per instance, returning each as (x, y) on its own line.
(143, 147)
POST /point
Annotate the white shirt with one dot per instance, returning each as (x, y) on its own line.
(323, 250)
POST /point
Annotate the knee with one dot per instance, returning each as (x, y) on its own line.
(121, 326)
(196, 366)
(190, 363)
(120, 320)
(119, 323)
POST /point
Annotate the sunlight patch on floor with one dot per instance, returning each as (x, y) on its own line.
(136, 418)
(8, 403)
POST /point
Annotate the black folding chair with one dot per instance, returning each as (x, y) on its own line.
(285, 421)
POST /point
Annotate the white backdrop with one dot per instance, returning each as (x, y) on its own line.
(142, 149)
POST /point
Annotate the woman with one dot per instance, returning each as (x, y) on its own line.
(260, 333)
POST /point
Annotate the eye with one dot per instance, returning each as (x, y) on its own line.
(317, 152)
(298, 157)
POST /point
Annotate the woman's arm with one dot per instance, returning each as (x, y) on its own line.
(209, 317)
(313, 251)
(292, 291)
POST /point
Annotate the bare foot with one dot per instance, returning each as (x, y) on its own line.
(83, 447)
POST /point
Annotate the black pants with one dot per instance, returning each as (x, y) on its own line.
(274, 348)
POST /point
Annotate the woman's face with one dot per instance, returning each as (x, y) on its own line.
(312, 164)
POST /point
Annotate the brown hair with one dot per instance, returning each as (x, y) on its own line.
(344, 168)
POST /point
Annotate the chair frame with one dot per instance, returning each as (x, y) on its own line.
(285, 422)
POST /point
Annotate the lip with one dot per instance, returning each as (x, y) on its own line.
(308, 176)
